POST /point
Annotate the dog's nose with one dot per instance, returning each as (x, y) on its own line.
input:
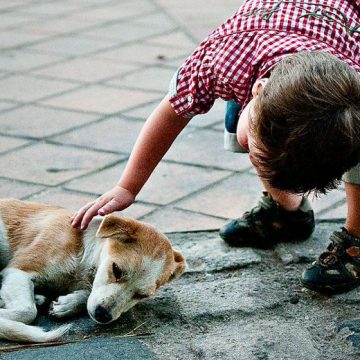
(101, 315)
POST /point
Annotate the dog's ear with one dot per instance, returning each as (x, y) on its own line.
(113, 225)
(180, 265)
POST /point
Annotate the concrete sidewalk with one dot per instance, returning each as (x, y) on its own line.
(77, 80)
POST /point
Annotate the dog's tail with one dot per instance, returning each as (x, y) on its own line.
(17, 331)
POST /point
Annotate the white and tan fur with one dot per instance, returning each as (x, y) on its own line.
(106, 269)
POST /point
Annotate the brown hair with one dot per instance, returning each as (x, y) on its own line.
(306, 123)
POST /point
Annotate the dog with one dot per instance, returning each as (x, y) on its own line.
(106, 269)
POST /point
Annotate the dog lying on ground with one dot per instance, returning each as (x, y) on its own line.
(107, 269)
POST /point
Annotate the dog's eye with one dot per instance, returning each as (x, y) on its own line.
(138, 296)
(118, 273)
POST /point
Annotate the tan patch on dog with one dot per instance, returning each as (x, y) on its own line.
(38, 233)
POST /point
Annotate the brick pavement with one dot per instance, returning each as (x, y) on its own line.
(77, 81)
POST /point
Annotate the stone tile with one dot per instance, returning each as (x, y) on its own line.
(152, 78)
(175, 220)
(214, 116)
(27, 88)
(5, 105)
(41, 163)
(101, 99)
(337, 212)
(170, 182)
(57, 26)
(309, 250)
(219, 126)
(12, 20)
(116, 10)
(143, 53)
(51, 9)
(157, 19)
(228, 199)
(114, 134)
(74, 201)
(19, 60)
(63, 198)
(86, 70)
(212, 254)
(4, 74)
(141, 112)
(8, 143)
(72, 45)
(40, 122)
(99, 182)
(176, 63)
(194, 148)
(326, 202)
(257, 340)
(7, 6)
(136, 211)
(213, 14)
(10, 39)
(122, 32)
(14, 189)
(176, 39)
(247, 293)
(175, 181)
(95, 2)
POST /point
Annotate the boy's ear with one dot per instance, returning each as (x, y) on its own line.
(113, 225)
(180, 265)
(258, 85)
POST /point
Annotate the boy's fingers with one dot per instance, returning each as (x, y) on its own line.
(77, 217)
(109, 207)
(91, 212)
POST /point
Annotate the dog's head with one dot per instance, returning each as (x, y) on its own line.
(136, 260)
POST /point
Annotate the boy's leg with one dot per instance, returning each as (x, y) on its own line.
(279, 216)
(338, 268)
(352, 224)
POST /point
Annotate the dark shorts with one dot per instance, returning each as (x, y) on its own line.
(231, 120)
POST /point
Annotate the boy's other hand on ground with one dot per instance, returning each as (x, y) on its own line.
(117, 198)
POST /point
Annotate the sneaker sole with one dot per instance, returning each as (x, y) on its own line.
(330, 290)
(255, 243)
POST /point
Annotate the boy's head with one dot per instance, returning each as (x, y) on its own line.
(306, 123)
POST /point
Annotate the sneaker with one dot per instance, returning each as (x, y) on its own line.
(336, 270)
(268, 223)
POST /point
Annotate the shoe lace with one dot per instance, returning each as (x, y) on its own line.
(265, 203)
(255, 216)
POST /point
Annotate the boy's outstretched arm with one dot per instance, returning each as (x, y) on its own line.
(158, 133)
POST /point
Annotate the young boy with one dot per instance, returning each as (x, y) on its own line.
(294, 68)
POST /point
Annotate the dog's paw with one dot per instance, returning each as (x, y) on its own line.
(67, 305)
(2, 304)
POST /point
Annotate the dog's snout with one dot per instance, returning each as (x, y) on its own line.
(102, 315)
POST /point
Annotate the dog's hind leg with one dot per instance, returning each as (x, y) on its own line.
(17, 292)
(70, 304)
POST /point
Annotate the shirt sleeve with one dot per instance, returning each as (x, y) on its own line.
(191, 90)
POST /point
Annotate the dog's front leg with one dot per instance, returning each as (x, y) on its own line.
(70, 304)
(17, 294)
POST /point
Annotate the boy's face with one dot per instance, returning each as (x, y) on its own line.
(242, 132)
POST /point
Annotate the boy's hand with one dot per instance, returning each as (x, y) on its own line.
(117, 198)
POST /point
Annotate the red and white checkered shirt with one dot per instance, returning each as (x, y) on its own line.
(254, 39)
